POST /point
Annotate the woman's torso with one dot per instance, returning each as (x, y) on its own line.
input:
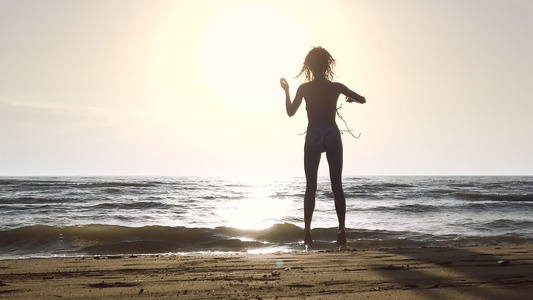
(321, 102)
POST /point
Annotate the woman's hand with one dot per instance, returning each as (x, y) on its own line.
(284, 84)
(360, 99)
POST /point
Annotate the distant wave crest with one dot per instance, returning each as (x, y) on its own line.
(496, 197)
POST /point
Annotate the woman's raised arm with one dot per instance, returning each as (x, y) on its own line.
(351, 96)
(293, 106)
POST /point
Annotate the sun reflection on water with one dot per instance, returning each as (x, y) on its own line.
(254, 212)
(261, 203)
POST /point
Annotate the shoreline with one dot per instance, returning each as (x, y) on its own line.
(479, 272)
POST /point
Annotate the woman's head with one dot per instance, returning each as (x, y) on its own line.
(318, 63)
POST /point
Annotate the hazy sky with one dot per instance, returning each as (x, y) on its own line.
(192, 87)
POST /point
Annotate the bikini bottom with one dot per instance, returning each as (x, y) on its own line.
(321, 139)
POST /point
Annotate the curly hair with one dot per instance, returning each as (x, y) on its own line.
(318, 63)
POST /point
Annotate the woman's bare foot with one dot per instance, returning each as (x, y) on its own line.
(308, 239)
(341, 238)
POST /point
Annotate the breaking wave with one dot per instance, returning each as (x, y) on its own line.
(98, 239)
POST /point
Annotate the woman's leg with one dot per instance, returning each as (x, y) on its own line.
(311, 163)
(334, 155)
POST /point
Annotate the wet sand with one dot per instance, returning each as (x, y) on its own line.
(492, 272)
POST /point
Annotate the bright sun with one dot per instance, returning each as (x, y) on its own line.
(244, 51)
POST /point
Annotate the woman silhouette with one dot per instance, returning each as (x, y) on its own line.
(323, 135)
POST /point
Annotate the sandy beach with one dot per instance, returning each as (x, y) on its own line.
(488, 272)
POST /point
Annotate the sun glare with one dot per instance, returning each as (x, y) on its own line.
(254, 212)
(243, 53)
(258, 209)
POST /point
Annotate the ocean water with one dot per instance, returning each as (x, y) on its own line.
(65, 216)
